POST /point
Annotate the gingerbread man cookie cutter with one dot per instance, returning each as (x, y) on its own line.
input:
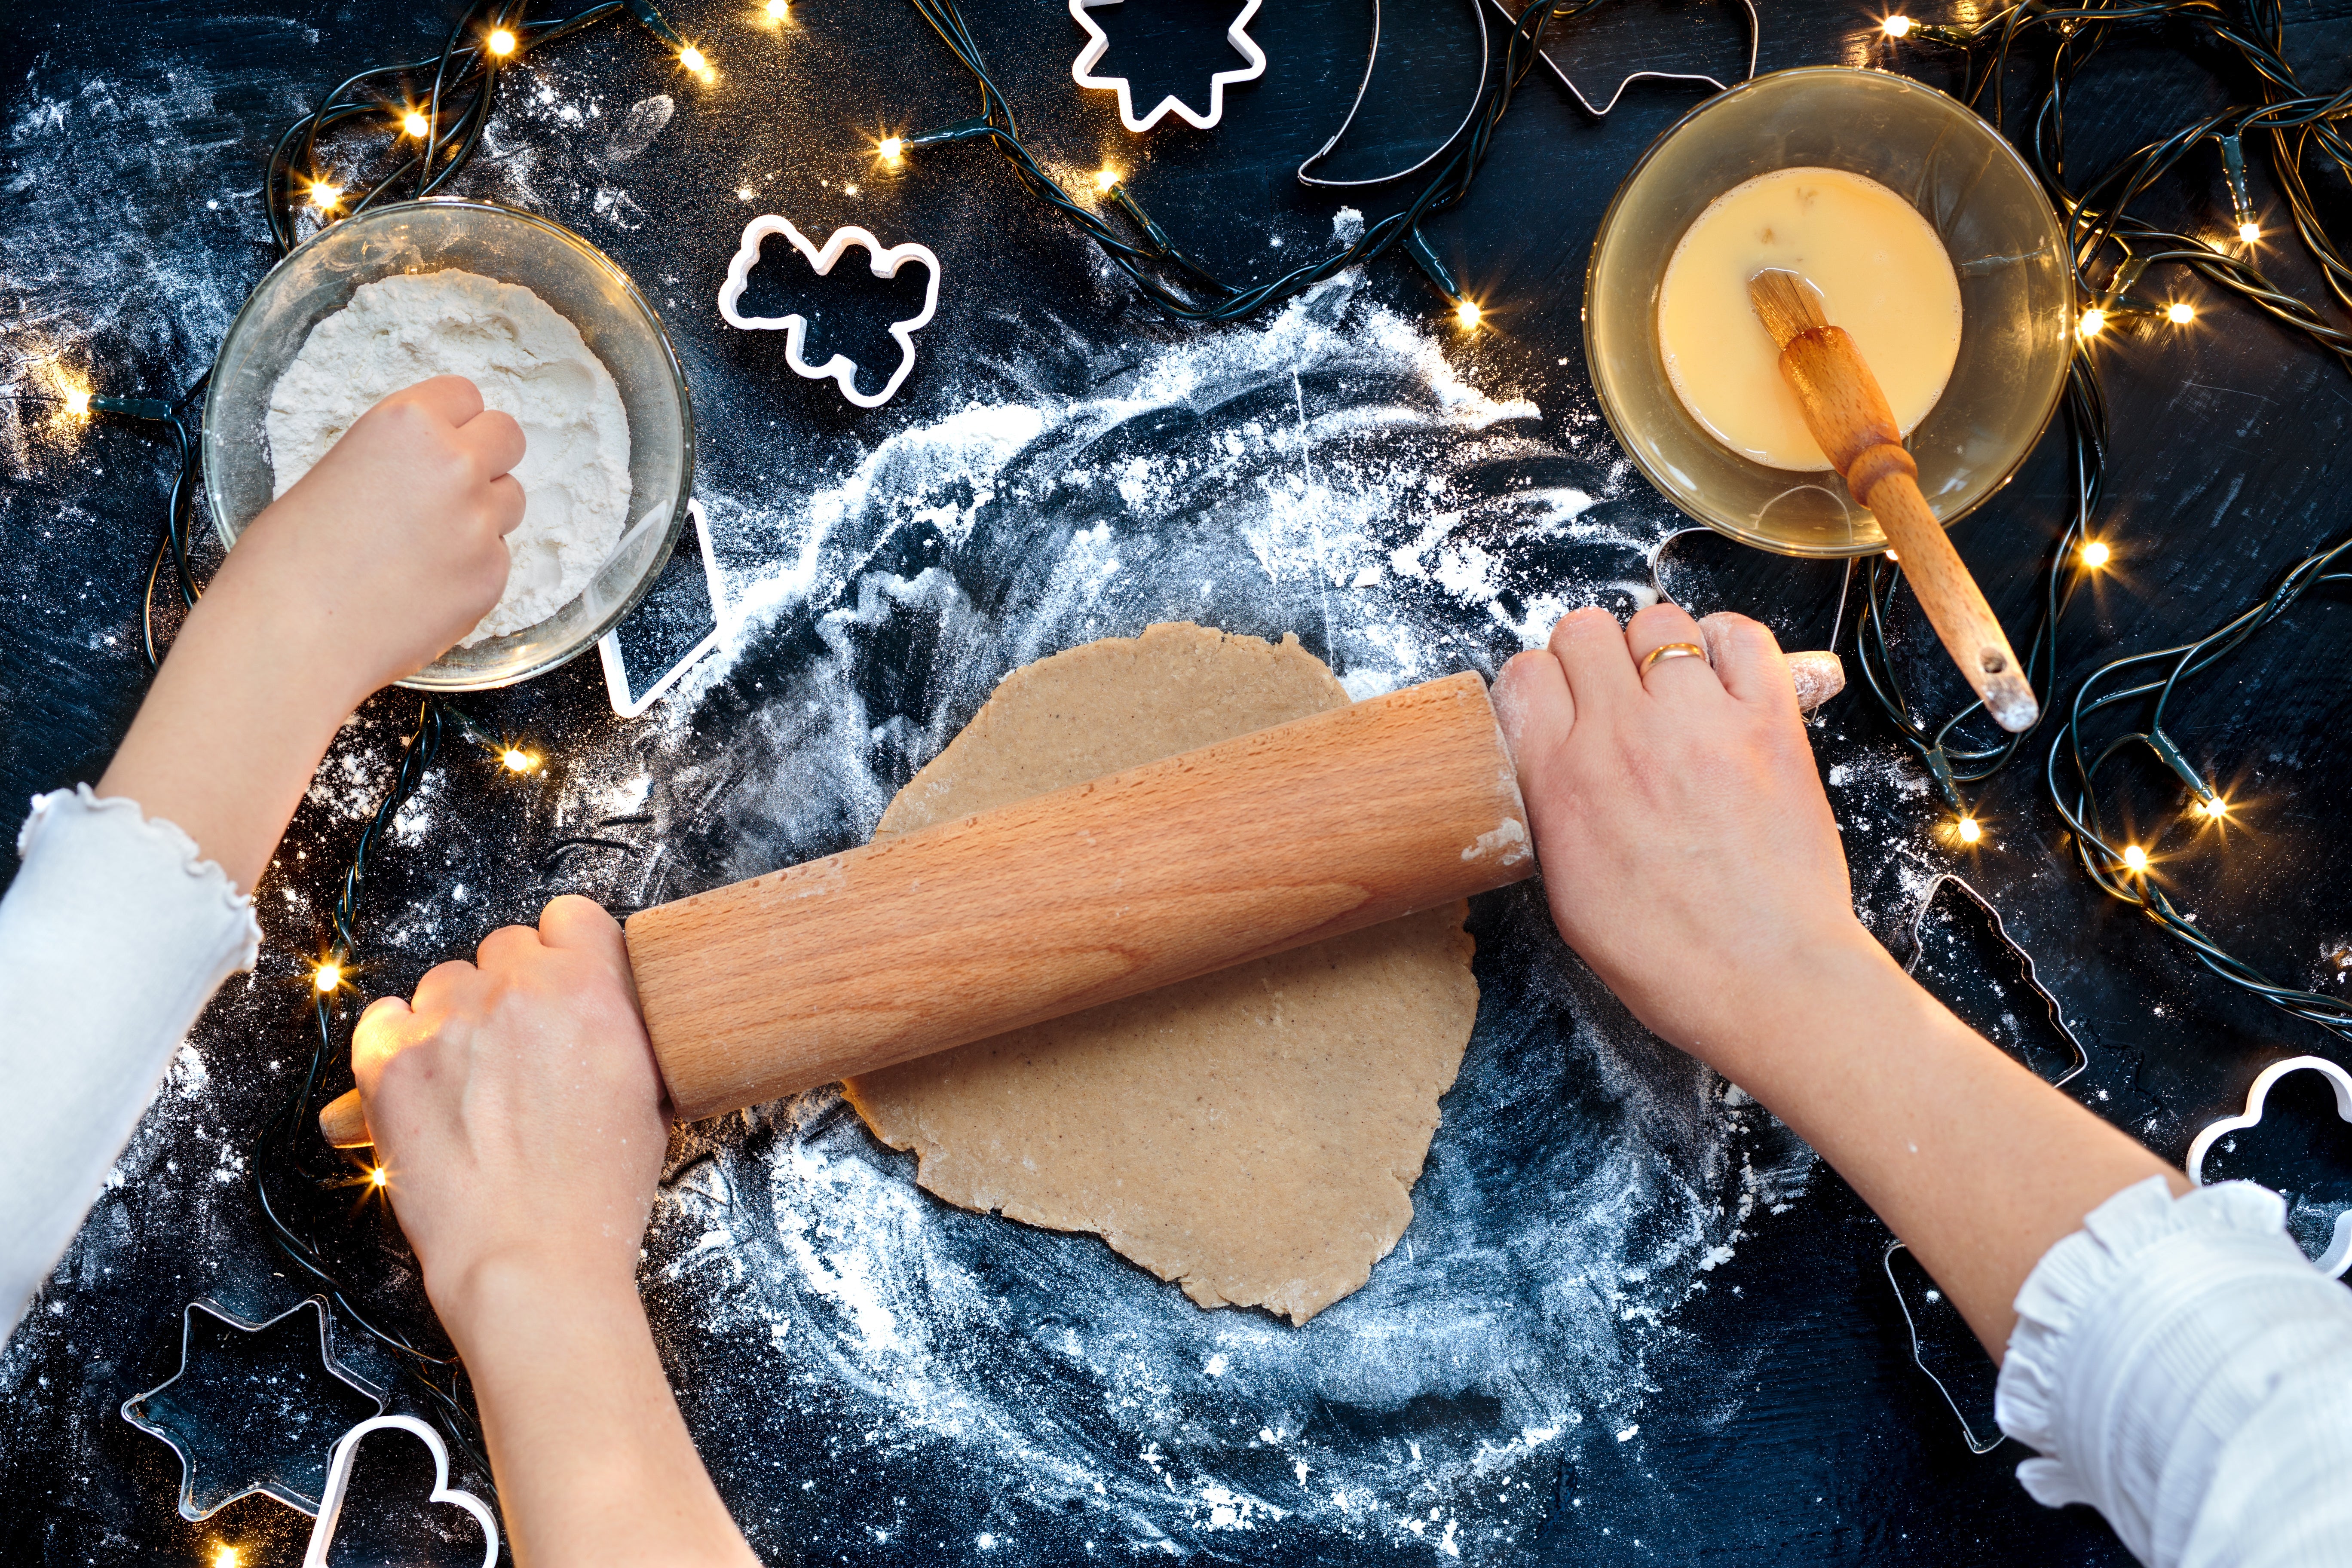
(1098, 44)
(887, 260)
(339, 1481)
(2338, 1256)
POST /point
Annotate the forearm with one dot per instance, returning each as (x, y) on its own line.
(593, 1461)
(233, 728)
(1978, 1165)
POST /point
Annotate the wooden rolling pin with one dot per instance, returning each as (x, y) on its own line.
(1191, 864)
(1848, 416)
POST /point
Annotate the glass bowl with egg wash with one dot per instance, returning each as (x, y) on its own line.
(1924, 234)
(574, 278)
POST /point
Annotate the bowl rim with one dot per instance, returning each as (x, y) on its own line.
(423, 680)
(1609, 216)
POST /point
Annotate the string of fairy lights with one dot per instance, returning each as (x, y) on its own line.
(2112, 253)
(416, 125)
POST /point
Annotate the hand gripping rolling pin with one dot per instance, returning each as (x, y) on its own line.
(1194, 863)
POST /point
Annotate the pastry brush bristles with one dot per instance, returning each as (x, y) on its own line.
(1786, 304)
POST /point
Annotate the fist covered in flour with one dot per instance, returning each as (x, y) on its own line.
(393, 546)
(517, 1112)
(1689, 851)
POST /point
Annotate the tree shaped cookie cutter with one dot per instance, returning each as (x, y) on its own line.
(2079, 1058)
(1098, 44)
(2338, 1256)
(887, 262)
(339, 1481)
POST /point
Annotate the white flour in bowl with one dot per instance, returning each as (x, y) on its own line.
(528, 361)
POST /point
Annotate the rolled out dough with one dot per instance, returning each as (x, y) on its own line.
(1253, 1135)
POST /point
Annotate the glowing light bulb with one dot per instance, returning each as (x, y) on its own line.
(743, 193)
(779, 9)
(2135, 859)
(327, 976)
(378, 1175)
(518, 760)
(502, 43)
(2250, 232)
(78, 401)
(228, 1557)
(1467, 315)
(415, 123)
(2181, 312)
(1896, 26)
(2092, 322)
(2096, 552)
(2217, 808)
(691, 58)
(1105, 178)
(324, 197)
(892, 149)
(1969, 829)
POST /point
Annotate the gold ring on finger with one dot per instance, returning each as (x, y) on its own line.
(1672, 650)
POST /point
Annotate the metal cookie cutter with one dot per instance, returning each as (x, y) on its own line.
(2338, 1256)
(339, 1481)
(1755, 37)
(2080, 1058)
(1371, 60)
(1098, 44)
(180, 1421)
(840, 368)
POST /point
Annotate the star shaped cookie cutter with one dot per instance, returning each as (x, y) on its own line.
(1098, 44)
(2338, 1256)
(151, 1412)
(339, 1481)
(887, 262)
(1754, 40)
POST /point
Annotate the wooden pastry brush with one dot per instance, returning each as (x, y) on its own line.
(1848, 416)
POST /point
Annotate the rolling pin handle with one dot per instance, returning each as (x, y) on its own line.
(343, 1123)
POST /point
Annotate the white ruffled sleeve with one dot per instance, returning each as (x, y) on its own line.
(2181, 1367)
(112, 938)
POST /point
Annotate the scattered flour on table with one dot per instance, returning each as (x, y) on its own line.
(528, 361)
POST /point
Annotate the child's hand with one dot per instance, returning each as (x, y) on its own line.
(393, 547)
(1689, 851)
(517, 1110)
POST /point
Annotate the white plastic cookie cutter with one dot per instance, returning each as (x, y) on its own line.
(1098, 44)
(2338, 1256)
(339, 1481)
(887, 263)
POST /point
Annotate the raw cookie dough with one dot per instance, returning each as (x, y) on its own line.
(1254, 1134)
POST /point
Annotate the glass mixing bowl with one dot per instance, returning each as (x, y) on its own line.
(2017, 302)
(581, 284)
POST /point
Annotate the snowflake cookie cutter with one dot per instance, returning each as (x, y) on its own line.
(887, 262)
(1755, 41)
(2338, 1256)
(1098, 44)
(339, 1481)
(152, 1415)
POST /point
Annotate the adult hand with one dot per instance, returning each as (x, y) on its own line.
(517, 1112)
(1689, 851)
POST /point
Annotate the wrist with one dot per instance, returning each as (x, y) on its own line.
(515, 1290)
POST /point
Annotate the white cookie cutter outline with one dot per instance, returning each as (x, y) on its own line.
(2338, 1256)
(608, 647)
(887, 260)
(1098, 44)
(339, 1481)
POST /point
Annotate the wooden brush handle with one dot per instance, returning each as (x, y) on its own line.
(1848, 416)
(1264, 843)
